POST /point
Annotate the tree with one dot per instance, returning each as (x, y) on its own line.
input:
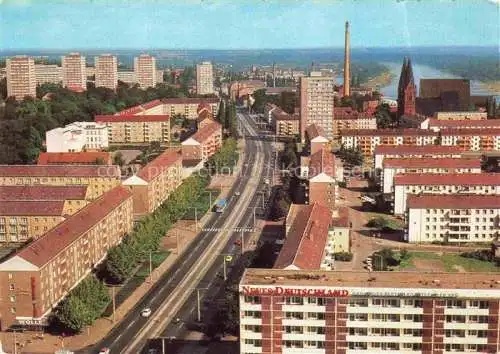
(383, 116)
(73, 314)
(118, 159)
(351, 156)
(99, 161)
(119, 264)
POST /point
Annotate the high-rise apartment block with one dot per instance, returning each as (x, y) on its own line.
(74, 72)
(204, 78)
(316, 103)
(106, 71)
(145, 71)
(48, 74)
(21, 78)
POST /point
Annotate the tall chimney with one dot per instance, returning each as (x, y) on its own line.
(347, 62)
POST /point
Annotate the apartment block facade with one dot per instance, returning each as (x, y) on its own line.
(145, 71)
(349, 118)
(202, 144)
(36, 278)
(154, 183)
(319, 312)
(450, 183)
(21, 78)
(317, 103)
(77, 137)
(285, 124)
(74, 72)
(124, 129)
(98, 179)
(393, 166)
(453, 218)
(106, 71)
(48, 74)
(189, 107)
(427, 151)
(204, 78)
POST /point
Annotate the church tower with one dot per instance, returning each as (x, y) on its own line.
(407, 90)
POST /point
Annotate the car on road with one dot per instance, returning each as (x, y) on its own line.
(177, 320)
(237, 242)
(146, 312)
(104, 351)
(237, 194)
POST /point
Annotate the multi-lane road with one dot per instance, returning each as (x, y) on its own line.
(198, 266)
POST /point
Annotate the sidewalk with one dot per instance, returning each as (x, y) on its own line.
(31, 342)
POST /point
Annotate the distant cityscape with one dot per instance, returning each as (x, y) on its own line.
(255, 208)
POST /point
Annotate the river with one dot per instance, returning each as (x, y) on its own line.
(427, 72)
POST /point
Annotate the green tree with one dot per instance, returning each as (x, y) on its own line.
(73, 314)
(119, 264)
(118, 159)
(383, 116)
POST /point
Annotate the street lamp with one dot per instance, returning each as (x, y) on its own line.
(198, 302)
(195, 217)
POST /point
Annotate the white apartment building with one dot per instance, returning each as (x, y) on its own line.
(348, 312)
(145, 71)
(437, 125)
(472, 139)
(106, 71)
(74, 72)
(48, 74)
(394, 166)
(453, 218)
(460, 115)
(127, 77)
(76, 137)
(451, 183)
(430, 151)
(317, 103)
(204, 78)
(21, 78)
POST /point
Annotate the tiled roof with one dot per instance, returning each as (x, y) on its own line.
(151, 104)
(203, 106)
(342, 219)
(194, 100)
(430, 162)
(40, 192)
(159, 164)
(314, 131)
(453, 201)
(411, 149)
(204, 114)
(465, 123)
(132, 118)
(204, 133)
(59, 171)
(388, 132)
(305, 243)
(462, 179)
(470, 131)
(50, 244)
(90, 157)
(322, 161)
(139, 108)
(31, 207)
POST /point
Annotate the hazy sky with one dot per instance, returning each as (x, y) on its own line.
(234, 24)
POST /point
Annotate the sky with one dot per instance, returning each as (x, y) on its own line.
(245, 24)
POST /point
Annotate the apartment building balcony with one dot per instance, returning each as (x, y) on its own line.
(383, 339)
(250, 348)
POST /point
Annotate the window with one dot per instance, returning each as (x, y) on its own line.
(11, 286)
(13, 310)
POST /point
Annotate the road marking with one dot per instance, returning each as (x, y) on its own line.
(205, 261)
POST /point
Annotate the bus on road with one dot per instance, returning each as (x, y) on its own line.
(220, 206)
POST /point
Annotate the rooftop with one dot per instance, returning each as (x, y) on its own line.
(469, 123)
(90, 157)
(59, 171)
(31, 207)
(193, 100)
(305, 242)
(50, 244)
(204, 133)
(342, 217)
(460, 179)
(40, 192)
(425, 280)
(388, 132)
(430, 162)
(124, 118)
(412, 149)
(314, 131)
(322, 161)
(470, 131)
(453, 201)
(159, 164)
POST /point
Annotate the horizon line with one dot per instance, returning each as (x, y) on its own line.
(248, 49)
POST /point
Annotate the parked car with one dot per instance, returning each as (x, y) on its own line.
(104, 351)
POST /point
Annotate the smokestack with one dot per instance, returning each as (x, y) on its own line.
(347, 62)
